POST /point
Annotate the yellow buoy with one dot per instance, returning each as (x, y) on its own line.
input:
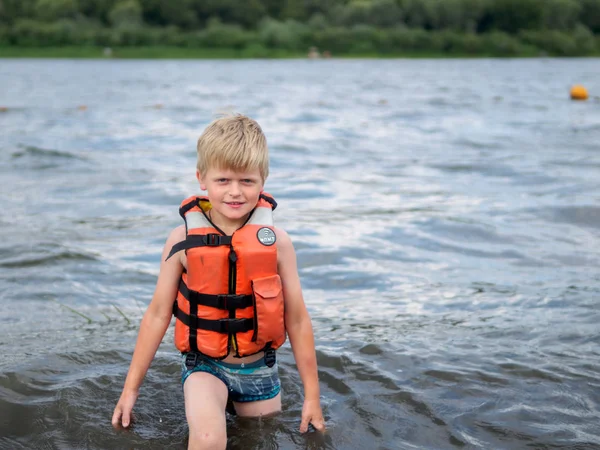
(578, 92)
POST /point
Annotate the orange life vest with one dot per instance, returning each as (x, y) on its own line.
(231, 294)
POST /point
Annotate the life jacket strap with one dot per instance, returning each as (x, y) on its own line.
(220, 301)
(200, 240)
(225, 326)
(189, 205)
(270, 200)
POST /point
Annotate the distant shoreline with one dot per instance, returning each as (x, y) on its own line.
(206, 53)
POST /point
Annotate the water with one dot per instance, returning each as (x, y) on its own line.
(446, 217)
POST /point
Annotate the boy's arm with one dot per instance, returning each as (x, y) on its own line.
(300, 332)
(152, 328)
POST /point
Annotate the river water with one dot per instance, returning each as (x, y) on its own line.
(445, 213)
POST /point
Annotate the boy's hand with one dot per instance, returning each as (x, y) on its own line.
(311, 413)
(122, 414)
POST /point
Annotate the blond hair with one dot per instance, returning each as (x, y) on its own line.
(233, 142)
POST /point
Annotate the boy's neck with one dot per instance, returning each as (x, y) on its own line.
(228, 227)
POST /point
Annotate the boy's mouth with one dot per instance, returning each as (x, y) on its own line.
(234, 204)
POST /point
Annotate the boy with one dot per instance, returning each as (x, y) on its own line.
(237, 292)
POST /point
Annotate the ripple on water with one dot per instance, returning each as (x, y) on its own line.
(78, 399)
(43, 255)
(467, 230)
(37, 158)
(441, 244)
(587, 216)
(311, 118)
(304, 192)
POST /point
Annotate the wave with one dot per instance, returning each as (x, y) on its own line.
(22, 260)
(32, 151)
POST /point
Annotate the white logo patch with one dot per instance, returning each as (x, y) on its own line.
(266, 236)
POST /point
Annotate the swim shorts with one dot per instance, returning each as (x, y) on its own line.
(245, 382)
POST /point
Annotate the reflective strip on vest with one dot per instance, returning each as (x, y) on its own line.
(262, 216)
(196, 219)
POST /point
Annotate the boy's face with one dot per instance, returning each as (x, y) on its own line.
(232, 194)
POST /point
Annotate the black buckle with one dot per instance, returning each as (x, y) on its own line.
(190, 360)
(231, 325)
(222, 301)
(270, 357)
(224, 324)
(237, 301)
(213, 240)
(231, 301)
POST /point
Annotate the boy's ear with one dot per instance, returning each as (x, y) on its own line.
(199, 177)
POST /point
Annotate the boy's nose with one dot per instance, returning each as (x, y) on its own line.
(234, 189)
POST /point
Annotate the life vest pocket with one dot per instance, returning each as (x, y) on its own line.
(268, 311)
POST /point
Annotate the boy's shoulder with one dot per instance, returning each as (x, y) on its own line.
(283, 239)
(280, 232)
(177, 234)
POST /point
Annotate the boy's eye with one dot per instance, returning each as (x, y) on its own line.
(222, 180)
(248, 181)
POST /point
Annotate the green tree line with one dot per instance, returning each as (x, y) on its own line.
(257, 27)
